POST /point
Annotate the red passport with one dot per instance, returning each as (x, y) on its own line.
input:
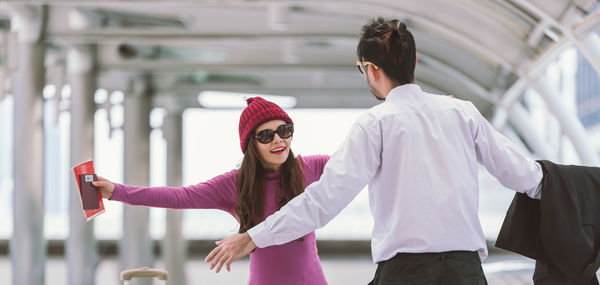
(91, 208)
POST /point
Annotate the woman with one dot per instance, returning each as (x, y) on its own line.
(268, 178)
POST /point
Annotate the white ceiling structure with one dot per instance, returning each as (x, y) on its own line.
(475, 50)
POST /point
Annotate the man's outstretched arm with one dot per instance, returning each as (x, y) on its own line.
(229, 250)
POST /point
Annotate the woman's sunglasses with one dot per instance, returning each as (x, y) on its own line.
(266, 136)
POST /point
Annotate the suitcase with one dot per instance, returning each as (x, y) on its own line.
(144, 272)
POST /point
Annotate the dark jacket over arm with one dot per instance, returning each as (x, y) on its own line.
(563, 228)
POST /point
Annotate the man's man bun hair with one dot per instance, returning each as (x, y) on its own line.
(389, 45)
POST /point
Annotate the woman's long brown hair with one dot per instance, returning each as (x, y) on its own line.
(250, 202)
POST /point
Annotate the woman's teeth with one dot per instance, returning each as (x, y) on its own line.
(279, 149)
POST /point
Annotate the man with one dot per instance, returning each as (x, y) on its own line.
(419, 153)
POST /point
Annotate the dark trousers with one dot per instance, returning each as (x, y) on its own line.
(444, 268)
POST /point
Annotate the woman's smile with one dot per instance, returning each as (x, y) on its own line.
(278, 150)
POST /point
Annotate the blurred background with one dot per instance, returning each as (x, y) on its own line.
(152, 92)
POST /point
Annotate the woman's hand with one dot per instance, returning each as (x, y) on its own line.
(106, 188)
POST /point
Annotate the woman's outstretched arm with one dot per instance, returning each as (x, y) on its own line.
(217, 193)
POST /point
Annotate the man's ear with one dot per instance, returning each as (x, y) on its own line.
(374, 74)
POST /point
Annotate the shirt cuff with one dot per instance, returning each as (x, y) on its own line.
(536, 193)
(259, 235)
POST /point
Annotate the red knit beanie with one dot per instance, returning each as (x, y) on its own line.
(258, 112)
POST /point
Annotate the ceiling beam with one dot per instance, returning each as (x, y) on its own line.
(172, 36)
(460, 78)
(186, 66)
(304, 99)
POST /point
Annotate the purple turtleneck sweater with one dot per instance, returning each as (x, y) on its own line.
(293, 263)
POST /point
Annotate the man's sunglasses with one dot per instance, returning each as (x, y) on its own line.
(362, 65)
(266, 136)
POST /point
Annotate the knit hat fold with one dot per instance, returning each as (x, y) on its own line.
(258, 112)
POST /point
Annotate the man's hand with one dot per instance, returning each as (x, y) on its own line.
(230, 250)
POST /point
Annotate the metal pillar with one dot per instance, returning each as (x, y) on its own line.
(27, 247)
(569, 122)
(520, 118)
(174, 246)
(82, 257)
(508, 99)
(588, 46)
(136, 245)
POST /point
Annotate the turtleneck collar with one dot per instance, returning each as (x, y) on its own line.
(272, 175)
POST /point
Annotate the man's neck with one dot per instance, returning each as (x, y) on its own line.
(387, 85)
(388, 88)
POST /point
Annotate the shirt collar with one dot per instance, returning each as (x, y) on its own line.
(404, 92)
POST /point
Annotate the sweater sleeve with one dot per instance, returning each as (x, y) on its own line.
(219, 192)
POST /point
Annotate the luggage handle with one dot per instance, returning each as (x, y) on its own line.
(144, 272)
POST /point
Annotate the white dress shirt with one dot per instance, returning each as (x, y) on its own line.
(419, 153)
